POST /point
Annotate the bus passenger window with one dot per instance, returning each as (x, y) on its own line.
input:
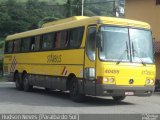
(91, 43)
(6, 47)
(16, 45)
(47, 41)
(32, 47)
(25, 44)
(57, 42)
(64, 41)
(9, 47)
(61, 40)
(37, 43)
(75, 38)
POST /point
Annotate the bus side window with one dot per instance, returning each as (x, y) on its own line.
(32, 46)
(16, 45)
(37, 43)
(6, 47)
(58, 38)
(9, 47)
(91, 43)
(75, 38)
(61, 39)
(53, 37)
(25, 46)
(47, 41)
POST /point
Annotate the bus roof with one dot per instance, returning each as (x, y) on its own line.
(64, 20)
(77, 21)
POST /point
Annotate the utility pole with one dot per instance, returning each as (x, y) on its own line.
(82, 7)
(69, 11)
(114, 8)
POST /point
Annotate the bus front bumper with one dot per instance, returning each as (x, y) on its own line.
(114, 90)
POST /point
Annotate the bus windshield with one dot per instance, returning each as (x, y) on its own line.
(126, 45)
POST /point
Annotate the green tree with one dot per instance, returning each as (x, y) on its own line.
(47, 19)
(12, 20)
(73, 8)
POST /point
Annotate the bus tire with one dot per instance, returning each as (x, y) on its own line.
(47, 89)
(118, 98)
(75, 95)
(27, 87)
(18, 83)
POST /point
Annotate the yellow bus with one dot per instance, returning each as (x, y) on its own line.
(1, 56)
(97, 56)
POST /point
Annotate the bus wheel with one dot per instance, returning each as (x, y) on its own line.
(26, 85)
(74, 91)
(47, 89)
(118, 98)
(18, 83)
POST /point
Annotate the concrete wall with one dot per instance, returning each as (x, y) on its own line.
(157, 61)
(145, 10)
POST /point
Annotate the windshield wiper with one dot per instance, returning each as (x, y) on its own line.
(120, 58)
(133, 53)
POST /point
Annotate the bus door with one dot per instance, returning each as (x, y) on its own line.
(90, 61)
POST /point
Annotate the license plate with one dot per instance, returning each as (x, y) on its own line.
(129, 93)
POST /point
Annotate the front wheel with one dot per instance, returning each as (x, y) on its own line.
(47, 89)
(118, 98)
(75, 95)
(27, 87)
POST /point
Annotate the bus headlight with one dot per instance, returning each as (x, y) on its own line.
(108, 80)
(111, 80)
(105, 80)
(152, 81)
(149, 81)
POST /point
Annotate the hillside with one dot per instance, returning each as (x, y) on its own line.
(26, 15)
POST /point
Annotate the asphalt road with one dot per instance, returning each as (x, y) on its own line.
(41, 101)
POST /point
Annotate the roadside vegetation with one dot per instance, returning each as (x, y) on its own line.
(22, 15)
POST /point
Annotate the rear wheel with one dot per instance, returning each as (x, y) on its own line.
(26, 85)
(118, 98)
(18, 82)
(75, 95)
(47, 89)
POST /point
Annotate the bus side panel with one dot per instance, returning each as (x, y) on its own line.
(9, 65)
(54, 81)
(50, 69)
